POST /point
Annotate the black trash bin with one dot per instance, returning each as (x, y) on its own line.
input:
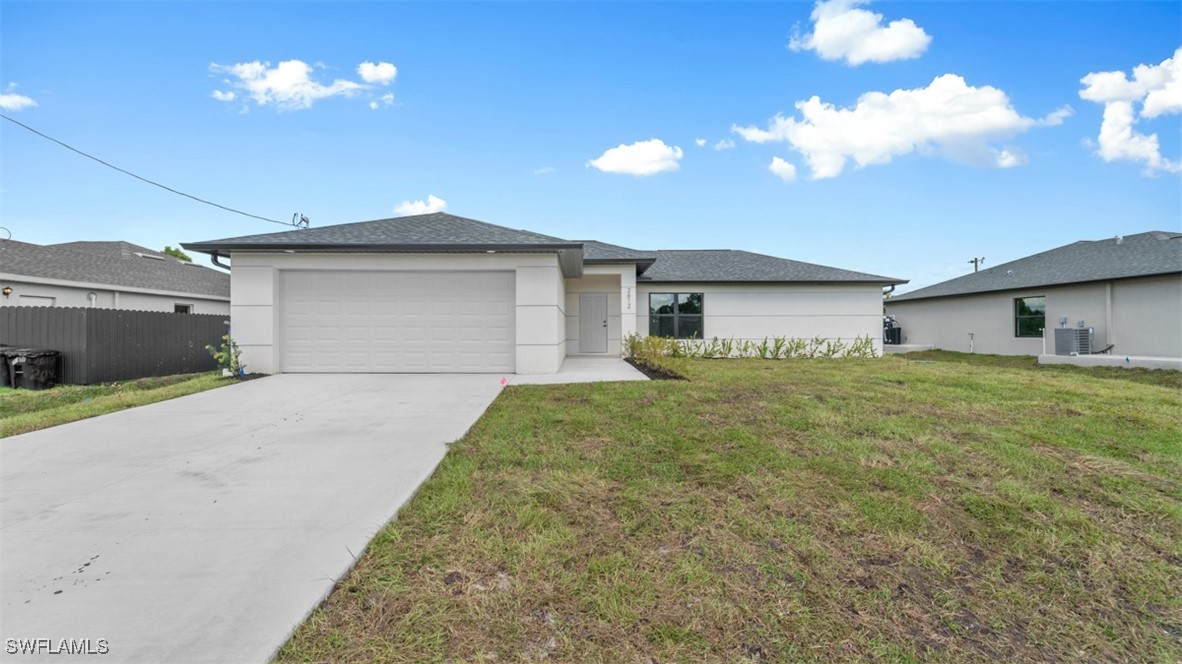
(5, 374)
(32, 368)
(893, 336)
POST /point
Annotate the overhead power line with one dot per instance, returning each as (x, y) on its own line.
(144, 179)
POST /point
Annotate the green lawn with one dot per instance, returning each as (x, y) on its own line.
(22, 411)
(957, 508)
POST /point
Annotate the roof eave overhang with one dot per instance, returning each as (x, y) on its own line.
(641, 264)
(907, 297)
(811, 282)
(570, 255)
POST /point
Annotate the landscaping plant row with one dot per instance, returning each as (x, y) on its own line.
(666, 354)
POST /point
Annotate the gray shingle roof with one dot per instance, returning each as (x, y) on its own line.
(105, 266)
(114, 249)
(594, 250)
(438, 228)
(1140, 255)
(714, 265)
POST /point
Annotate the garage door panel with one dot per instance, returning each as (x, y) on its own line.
(398, 321)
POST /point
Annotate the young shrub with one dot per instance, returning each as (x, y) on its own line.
(815, 347)
(800, 347)
(713, 350)
(632, 345)
(656, 353)
(863, 347)
(779, 345)
(228, 356)
(763, 349)
(834, 348)
(727, 348)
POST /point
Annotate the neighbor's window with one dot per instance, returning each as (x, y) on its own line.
(182, 309)
(1030, 316)
(677, 315)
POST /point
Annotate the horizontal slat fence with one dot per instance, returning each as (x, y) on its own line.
(105, 345)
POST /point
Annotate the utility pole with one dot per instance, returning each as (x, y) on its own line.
(977, 262)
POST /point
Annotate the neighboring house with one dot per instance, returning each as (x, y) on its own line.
(108, 275)
(1129, 289)
(441, 293)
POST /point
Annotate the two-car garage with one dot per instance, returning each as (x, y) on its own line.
(396, 321)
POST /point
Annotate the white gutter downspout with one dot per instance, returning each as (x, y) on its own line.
(1108, 325)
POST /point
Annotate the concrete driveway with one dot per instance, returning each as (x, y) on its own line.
(203, 529)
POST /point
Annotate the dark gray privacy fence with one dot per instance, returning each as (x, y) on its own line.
(104, 345)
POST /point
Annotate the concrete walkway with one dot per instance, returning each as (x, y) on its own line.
(203, 529)
(584, 369)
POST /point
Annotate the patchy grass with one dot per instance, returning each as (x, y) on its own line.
(22, 411)
(1161, 377)
(806, 510)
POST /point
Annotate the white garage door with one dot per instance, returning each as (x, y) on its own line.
(398, 322)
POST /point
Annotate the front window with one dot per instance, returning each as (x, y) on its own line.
(1030, 316)
(677, 315)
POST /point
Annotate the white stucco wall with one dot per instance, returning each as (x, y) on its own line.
(106, 297)
(256, 298)
(757, 311)
(1144, 318)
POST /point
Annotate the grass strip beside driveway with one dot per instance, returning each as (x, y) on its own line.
(810, 510)
(22, 411)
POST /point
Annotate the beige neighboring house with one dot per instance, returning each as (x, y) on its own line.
(108, 275)
(1128, 289)
(441, 293)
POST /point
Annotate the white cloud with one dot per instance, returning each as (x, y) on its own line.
(1008, 158)
(545, 170)
(432, 204)
(700, 142)
(290, 85)
(640, 158)
(385, 100)
(287, 86)
(381, 72)
(11, 101)
(948, 117)
(724, 144)
(842, 31)
(783, 169)
(1158, 90)
(1057, 116)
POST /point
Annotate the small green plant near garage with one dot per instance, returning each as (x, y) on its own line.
(228, 357)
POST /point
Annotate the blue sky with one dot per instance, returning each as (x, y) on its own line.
(509, 111)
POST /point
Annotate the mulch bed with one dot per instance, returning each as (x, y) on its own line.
(654, 373)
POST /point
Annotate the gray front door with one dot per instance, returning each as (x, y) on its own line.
(592, 322)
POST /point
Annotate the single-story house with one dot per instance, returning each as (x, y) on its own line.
(1128, 289)
(108, 275)
(442, 293)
